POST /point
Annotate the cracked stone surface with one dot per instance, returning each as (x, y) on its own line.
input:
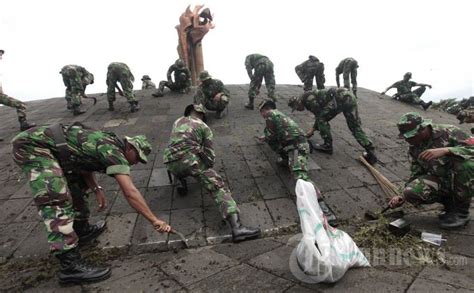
(263, 191)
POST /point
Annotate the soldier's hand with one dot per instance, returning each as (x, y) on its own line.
(310, 133)
(261, 139)
(161, 226)
(101, 201)
(433, 154)
(429, 86)
(396, 201)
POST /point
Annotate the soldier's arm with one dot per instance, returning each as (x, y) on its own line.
(96, 188)
(248, 67)
(422, 84)
(387, 89)
(222, 88)
(136, 200)
(337, 78)
(208, 149)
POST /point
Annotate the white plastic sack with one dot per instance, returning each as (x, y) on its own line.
(324, 253)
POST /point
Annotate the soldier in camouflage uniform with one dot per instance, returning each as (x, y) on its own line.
(288, 140)
(309, 70)
(190, 153)
(212, 94)
(405, 94)
(348, 67)
(259, 67)
(76, 78)
(442, 168)
(119, 72)
(182, 79)
(14, 103)
(59, 162)
(325, 105)
(147, 83)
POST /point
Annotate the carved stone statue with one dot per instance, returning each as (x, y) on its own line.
(193, 26)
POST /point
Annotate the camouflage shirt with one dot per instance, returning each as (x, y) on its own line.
(404, 87)
(119, 69)
(319, 100)
(148, 84)
(210, 89)
(189, 135)
(346, 65)
(251, 61)
(91, 150)
(182, 75)
(443, 136)
(281, 129)
(309, 68)
(71, 71)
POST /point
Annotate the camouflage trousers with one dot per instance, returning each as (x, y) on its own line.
(218, 103)
(261, 71)
(457, 187)
(126, 81)
(413, 97)
(173, 86)
(353, 78)
(73, 82)
(14, 103)
(296, 157)
(60, 198)
(209, 179)
(322, 124)
(308, 82)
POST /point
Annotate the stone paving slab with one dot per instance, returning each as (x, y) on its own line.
(12, 235)
(124, 223)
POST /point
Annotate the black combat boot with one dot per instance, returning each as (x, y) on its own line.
(219, 114)
(111, 106)
(447, 202)
(87, 232)
(239, 232)
(158, 93)
(282, 162)
(134, 107)
(249, 104)
(369, 155)
(76, 110)
(332, 220)
(324, 148)
(69, 105)
(25, 125)
(458, 217)
(75, 270)
(424, 105)
(182, 189)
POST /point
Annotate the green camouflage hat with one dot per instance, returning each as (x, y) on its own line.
(141, 144)
(266, 102)
(195, 107)
(204, 75)
(410, 123)
(179, 63)
(146, 77)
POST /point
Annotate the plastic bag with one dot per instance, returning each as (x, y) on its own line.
(324, 253)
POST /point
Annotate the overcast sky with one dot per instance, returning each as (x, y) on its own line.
(432, 39)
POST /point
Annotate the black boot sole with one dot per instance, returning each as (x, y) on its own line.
(73, 280)
(245, 237)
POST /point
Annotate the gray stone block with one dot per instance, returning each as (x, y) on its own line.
(271, 187)
(283, 211)
(243, 277)
(244, 190)
(159, 177)
(35, 244)
(246, 250)
(12, 235)
(198, 265)
(10, 209)
(119, 231)
(255, 214)
(159, 198)
(193, 199)
(146, 238)
(190, 223)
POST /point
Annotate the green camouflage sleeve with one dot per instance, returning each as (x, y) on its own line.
(415, 170)
(222, 88)
(208, 153)
(112, 157)
(459, 146)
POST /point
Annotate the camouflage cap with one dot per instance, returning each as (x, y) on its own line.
(141, 144)
(146, 77)
(196, 107)
(204, 75)
(407, 74)
(410, 124)
(2, 51)
(266, 102)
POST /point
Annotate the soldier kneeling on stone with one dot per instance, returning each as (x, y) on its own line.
(212, 94)
(442, 168)
(59, 162)
(288, 140)
(190, 153)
